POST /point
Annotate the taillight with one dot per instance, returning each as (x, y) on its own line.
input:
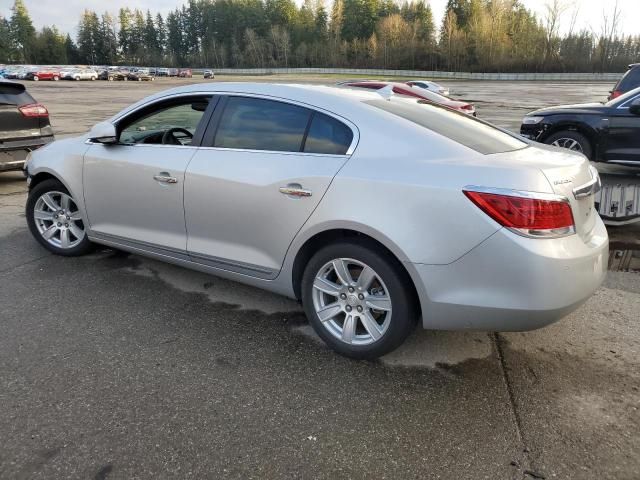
(467, 107)
(529, 214)
(615, 94)
(34, 110)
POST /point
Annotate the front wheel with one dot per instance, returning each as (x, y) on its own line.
(36, 78)
(358, 300)
(571, 140)
(55, 220)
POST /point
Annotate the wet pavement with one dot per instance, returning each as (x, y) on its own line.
(116, 366)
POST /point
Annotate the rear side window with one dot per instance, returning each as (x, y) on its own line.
(258, 124)
(459, 127)
(14, 95)
(630, 80)
(327, 135)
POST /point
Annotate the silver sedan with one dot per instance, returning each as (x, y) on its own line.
(376, 211)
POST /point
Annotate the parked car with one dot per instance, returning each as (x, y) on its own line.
(140, 76)
(185, 73)
(81, 74)
(209, 74)
(404, 89)
(377, 212)
(43, 74)
(608, 132)
(112, 76)
(629, 81)
(431, 86)
(173, 72)
(162, 72)
(24, 125)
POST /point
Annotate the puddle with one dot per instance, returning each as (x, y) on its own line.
(429, 349)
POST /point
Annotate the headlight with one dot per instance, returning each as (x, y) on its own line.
(531, 120)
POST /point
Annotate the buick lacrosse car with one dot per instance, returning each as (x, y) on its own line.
(376, 211)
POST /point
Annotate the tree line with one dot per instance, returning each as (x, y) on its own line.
(474, 35)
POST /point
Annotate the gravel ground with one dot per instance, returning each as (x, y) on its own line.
(116, 366)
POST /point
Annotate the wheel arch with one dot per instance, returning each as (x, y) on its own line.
(331, 235)
(579, 127)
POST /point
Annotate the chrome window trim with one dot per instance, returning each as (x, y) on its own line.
(354, 129)
(280, 152)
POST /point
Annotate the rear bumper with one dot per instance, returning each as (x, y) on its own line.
(512, 283)
(13, 154)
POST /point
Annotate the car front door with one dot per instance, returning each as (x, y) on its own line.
(133, 189)
(262, 170)
(623, 140)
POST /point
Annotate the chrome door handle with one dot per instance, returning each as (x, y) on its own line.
(295, 190)
(164, 177)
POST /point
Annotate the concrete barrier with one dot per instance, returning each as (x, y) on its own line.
(560, 77)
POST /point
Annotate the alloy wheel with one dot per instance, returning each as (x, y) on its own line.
(569, 143)
(351, 301)
(58, 220)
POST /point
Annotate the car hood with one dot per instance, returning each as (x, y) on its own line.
(581, 108)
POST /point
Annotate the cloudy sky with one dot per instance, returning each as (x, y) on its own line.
(65, 13)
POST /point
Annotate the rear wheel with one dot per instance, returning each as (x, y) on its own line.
(77, 79)
(56, 78)
(358, 300)
(55, 220)
(571, 140)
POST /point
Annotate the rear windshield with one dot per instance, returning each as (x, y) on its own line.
(459, 127)
(14, 95)
(629, 80)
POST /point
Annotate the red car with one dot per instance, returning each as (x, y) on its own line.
(403, 89)
(185, 73)
(43, 75)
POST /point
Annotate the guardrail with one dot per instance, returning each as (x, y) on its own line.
(568, 77)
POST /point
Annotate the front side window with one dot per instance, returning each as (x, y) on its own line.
(174, 124)
(258, 124)
(327, 135)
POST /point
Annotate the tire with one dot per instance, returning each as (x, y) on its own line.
(77, 244)
(77, 79)
(390, 289)
(55, 79)
(36, 78)
(568, 137)
(110, 79)
(93, 79)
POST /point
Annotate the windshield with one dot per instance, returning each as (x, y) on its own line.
(623, 98)
(459, 127)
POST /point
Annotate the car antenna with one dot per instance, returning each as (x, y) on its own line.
(386, 92)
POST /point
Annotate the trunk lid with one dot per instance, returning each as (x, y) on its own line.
(566, 172)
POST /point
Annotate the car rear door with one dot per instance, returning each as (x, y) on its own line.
(263, 168)
(133, 190)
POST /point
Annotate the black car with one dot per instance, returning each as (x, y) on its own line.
(629, 81)
(604, 132)
(24, 125)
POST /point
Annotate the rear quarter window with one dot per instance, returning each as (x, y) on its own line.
(459, 127)
(327, 135)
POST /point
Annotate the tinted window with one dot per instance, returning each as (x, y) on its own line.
(14, 95)
(459, 127)
(327, 135)
(257, 124)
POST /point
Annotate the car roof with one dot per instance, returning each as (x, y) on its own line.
(334, 99)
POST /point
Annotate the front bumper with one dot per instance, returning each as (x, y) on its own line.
(513, 283)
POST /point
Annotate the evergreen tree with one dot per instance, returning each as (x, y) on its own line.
(22, 32)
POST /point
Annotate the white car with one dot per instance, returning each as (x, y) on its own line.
(79, 74)
(377, 211)
(431, 86)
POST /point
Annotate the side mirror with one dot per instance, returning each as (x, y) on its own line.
(103, 132)
(634, 108)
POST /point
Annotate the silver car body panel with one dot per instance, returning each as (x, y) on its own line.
(400, 184)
